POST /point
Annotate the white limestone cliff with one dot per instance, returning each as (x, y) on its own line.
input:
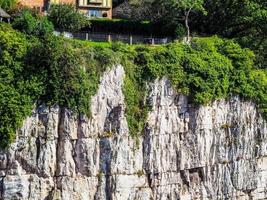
(217, 151)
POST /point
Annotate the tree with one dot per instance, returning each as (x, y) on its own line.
(33, 24)
(243, 20)
(188, 6)
(131, 11)
(167, 12)
(67, 17)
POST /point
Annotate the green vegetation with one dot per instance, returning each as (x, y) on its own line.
(92, 44)
(211, 68)
(8, 4)
(67, 17)
(18, 91)
(54, 70)
(32, 23)
(51, 70)
(125, 26)
(140, 173)
(242, 20)
(188, 6)
(107, 134)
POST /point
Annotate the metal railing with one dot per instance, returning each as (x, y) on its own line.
(111, 37)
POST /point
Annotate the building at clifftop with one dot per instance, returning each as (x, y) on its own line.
(96, 8)
(91, 8)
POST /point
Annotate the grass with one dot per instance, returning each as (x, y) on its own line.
(110, 44)
(118, 20)
(93, 44)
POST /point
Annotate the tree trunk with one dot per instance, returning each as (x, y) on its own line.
(187, 25)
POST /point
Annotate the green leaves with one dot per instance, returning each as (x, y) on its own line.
(67, 17)
(16, 98)
(33, 24)
(243, 20)
(190, 4)
(59, 71)
(8, 4)
(212, 68)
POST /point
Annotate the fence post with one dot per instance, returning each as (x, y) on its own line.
(153, 41)
(131, 40)
(86, 36)
(109, 38)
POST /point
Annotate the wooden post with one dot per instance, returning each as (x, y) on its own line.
(109, 38)
(131, 40)
(86, 36)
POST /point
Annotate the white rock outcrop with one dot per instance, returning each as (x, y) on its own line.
(217, 151)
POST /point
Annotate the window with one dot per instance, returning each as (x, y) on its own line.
(94, 1)
(94, 13)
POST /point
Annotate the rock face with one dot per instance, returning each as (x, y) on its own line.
(209, 152)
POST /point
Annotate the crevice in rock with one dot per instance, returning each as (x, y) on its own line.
(112, 123)
(50, 195)
(38, 147)
(146, 155)
(197, 171)
(105, 170)
(246, 191)
(59, 129)
(1, 187)
(30, 169)
(185, 178)
(105, 164)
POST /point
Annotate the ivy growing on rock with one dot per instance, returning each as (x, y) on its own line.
(210, 69)
(54, 70)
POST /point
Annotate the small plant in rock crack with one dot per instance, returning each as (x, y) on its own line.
(106, 134)
(100, 175)
(140, 173)
(225, 126)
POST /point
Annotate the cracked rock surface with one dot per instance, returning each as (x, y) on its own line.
(217, 151)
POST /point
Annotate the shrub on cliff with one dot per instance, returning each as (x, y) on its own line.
(18, 90)
(212, 68)
(69, 72)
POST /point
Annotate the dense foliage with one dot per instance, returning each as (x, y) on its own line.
(67, 17)
(186, 7)
(18, 91)
(209, 69)
(54, 70)
(123, 26)
(8, 4)
(242, 20)
(69, 72)
(32, 23)
(51, 71)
